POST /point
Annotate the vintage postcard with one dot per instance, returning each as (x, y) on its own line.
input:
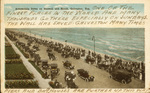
(78, 46)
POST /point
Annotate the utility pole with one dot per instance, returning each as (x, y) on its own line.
(93, 38)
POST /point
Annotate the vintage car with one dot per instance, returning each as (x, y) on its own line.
(85, 75)
(103, 65)
(121, 75)
(54, 68)
(89, 59)
(77, 55)
(69, 78)
(65, 54)
(67, 64)
(83, 53)
(55, 84)
(58, 49)
(71, 84)
(36, 46)
(29, 43)
(51, 56)
(49, 49)
(44, 64)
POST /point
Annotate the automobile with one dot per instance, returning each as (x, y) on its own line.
(65, 54)
(121, 75)
(54, 70)
(103, 65)
(58, 49)
(51, 56)
(77, 55)
(89, 59)
(55, 84)
(71, 84)
(67, 64)
(49, 49)
(85, 75)
(82, 53)
(70, 78)
(36, 47)
(44, 64)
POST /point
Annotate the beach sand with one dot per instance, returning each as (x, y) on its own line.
(102, 79)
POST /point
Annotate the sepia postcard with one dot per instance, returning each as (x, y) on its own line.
(75, 46)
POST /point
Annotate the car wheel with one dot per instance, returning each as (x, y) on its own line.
(123, 81)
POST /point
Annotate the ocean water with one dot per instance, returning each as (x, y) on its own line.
(125, 43)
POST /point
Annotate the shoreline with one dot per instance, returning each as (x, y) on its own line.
(76, 46)
(100, 78)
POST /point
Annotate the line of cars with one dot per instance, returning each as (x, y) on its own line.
(119, 75)
(81, 72)
(70, 77)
